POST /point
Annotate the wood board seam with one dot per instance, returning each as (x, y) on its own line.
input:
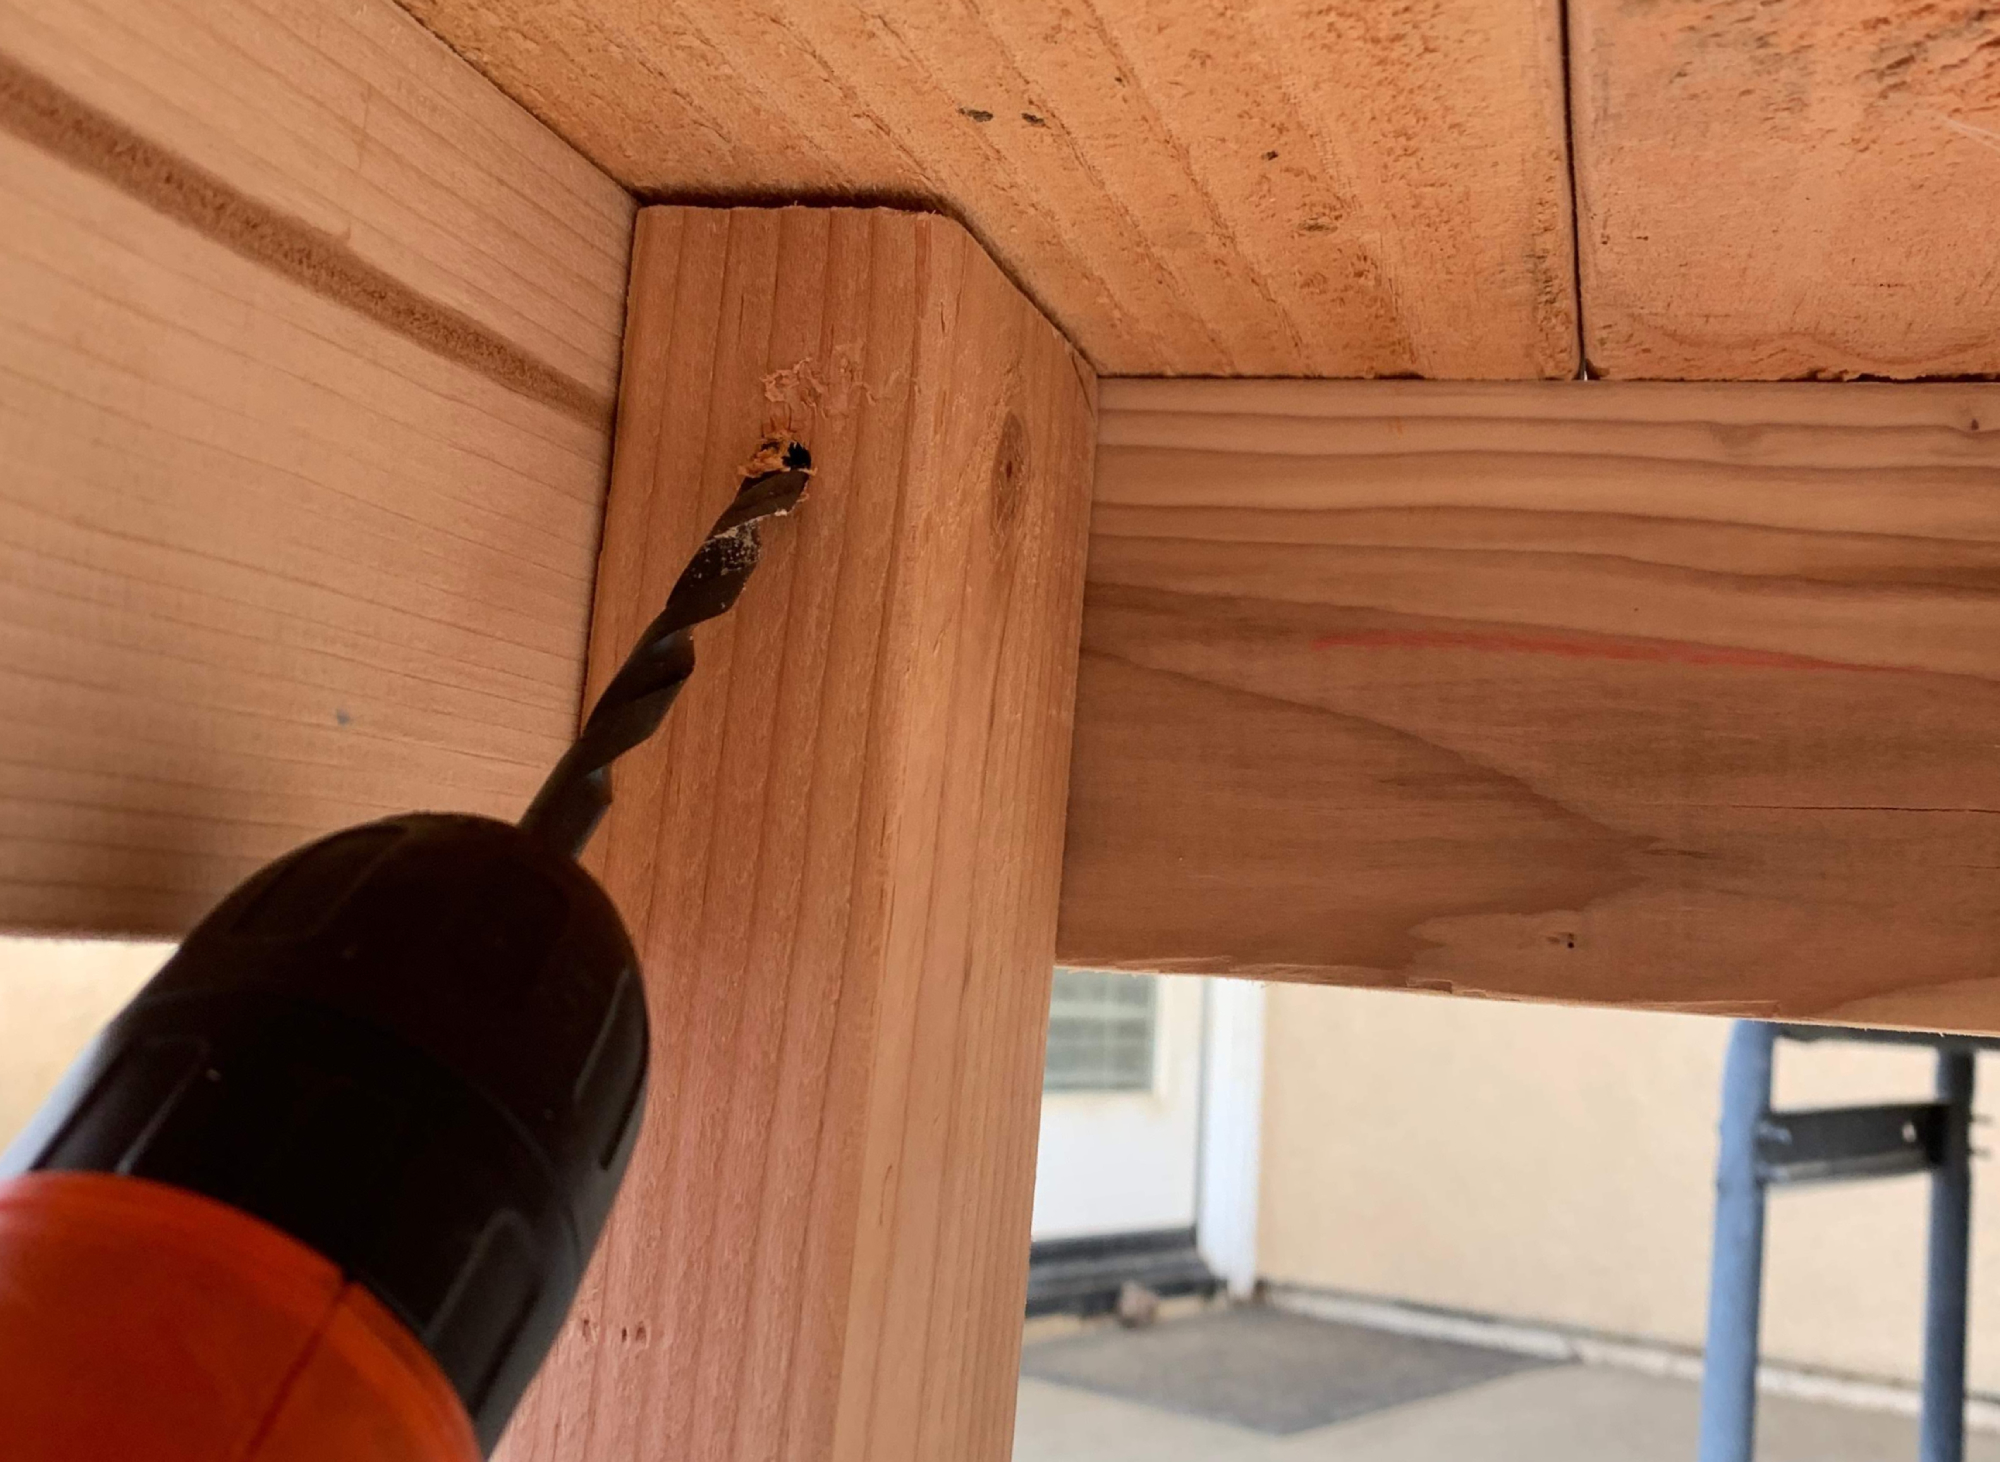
(37, 111)
(1580, 336)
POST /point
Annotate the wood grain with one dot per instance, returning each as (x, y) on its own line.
(268, 563)
(1770, 191)
(345, 117)
(840, 861)
(1673, 696)
(1274, 188)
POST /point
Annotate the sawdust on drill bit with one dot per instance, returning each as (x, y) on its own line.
(778, 454)
(768, 458)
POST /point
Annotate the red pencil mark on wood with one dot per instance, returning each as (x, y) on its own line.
(1582, 647)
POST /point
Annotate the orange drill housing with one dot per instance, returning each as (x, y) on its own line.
(150, 1324)
(401, 1071)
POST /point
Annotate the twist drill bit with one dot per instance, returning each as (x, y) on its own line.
(567, 809)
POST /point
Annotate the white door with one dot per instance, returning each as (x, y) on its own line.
(1121, 1105)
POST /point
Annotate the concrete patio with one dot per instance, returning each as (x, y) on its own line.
(1544, 1413)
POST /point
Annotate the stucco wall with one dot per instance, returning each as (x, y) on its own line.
(54, 994)
(1515, 1160)
(1556, 1164)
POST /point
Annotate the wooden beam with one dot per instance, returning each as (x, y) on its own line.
(309, 337)
(350, 121)
(1673, 696)
(1771, 191)
(1277, 188)
(840, 862)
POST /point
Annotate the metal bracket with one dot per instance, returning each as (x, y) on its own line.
(1838, 1143)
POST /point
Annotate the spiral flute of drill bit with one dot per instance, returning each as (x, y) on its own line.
(572, 801)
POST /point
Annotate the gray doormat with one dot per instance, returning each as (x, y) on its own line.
(1265, 1369)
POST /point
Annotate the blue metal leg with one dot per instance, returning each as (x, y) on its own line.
(1736, 1270)
(1941, 1428)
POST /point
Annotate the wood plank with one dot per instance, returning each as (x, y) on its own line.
(285, 542)
(1772, 191)
(348, 118)
(1273, 188)
(1673, 696)
(840, 861)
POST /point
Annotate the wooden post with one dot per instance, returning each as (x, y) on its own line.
(841, 862)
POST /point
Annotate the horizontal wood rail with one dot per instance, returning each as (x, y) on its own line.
(308, 339)
(1673, 696)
